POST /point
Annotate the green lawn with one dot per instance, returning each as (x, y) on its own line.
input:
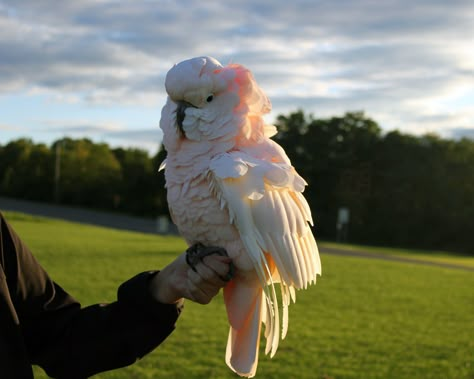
(365, 318)
(423, 255)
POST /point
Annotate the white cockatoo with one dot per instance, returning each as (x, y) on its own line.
(230, 185)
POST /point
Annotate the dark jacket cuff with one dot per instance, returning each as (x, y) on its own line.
(136, 293)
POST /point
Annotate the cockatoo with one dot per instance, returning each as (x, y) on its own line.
(229, 185)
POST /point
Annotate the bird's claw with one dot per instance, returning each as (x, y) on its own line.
(195, 254)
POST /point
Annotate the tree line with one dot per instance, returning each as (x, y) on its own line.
(80, 172)
(396, 189)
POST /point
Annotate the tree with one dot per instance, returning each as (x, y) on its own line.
(90, 173)
(25, 170)
(335, 157)
(137, 187)
(160, 204)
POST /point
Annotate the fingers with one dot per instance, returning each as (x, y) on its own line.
(206, 281)
(219, 264)
(201, 290)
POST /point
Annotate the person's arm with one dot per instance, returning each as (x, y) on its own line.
(68, 341)
(75, 342)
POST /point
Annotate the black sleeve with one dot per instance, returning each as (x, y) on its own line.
(69, 341)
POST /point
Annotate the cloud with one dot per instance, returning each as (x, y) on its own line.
(148, 139)
(106, 130)
(459, 133)
(398, 60)
(78, 125)
(9, 127)
(114, 133)
(142, 135)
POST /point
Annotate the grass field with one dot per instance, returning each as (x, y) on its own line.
(365, 318)
(420, 255)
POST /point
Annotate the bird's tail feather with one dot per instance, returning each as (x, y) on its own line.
(244, 334)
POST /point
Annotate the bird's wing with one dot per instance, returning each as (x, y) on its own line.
(266, 205)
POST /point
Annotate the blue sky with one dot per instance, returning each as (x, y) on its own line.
(96, 68)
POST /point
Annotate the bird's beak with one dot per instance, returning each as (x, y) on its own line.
(180, 114)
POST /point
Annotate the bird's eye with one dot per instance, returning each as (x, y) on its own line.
(210, 98)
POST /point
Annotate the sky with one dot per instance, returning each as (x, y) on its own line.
(96, 68)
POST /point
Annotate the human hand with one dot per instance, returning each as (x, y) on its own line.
(178, 280)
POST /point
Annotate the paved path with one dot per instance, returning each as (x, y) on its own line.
(149, 225)
(85, 216)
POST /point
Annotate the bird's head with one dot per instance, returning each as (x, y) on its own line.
(207, 97)
(193, 84)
